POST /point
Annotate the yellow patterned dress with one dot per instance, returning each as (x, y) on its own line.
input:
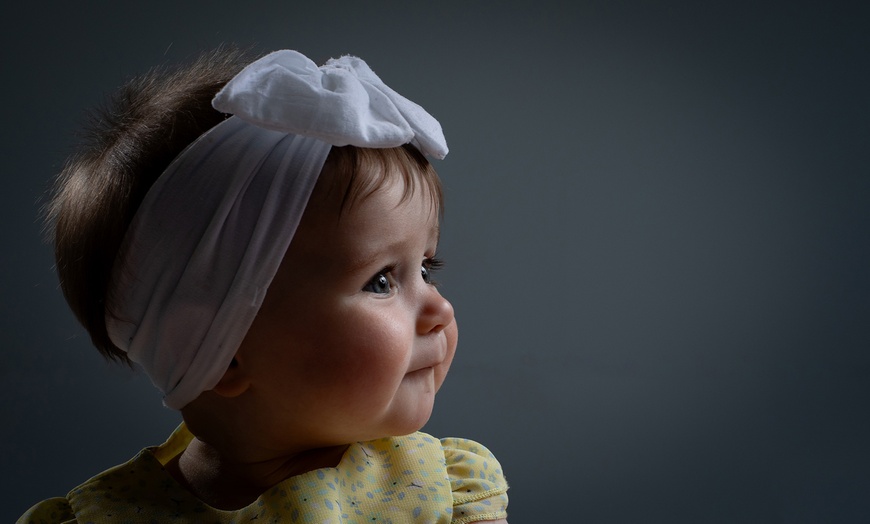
(412, 479)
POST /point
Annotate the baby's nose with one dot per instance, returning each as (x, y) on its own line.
(436, 313)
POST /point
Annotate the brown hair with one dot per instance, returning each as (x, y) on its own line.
(132, 140)
(407, 162)
(128, 144)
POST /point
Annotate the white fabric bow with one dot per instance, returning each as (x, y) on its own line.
(342, 103)
(211, 232)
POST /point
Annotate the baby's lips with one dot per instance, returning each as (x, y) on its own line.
(430, 357)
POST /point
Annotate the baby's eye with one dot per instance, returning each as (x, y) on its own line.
(429, 267)
(379, 284)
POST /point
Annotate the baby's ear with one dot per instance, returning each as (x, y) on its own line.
(234, 382)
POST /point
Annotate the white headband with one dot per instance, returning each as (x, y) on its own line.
(210, 234)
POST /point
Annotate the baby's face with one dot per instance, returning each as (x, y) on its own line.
(353, 340)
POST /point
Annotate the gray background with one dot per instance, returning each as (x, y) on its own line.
(657, 235)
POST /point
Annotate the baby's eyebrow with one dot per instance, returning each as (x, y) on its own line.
(364, 260)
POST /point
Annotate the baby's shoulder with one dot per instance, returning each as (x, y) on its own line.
(97, 493)
(51, 511)
(462, 451)
(475, 477)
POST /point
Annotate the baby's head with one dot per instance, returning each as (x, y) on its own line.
(351, 341)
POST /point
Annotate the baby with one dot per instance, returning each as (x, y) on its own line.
(273, 273)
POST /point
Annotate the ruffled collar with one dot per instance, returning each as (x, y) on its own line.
(379, 481)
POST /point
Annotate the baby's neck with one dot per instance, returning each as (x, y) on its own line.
(230, 483)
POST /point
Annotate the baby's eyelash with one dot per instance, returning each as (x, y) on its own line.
(433, 263)
(430, 266)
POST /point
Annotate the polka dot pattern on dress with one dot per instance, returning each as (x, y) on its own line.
(410, 479)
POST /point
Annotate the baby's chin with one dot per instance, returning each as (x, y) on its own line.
(413, 419)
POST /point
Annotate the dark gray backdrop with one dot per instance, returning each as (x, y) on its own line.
(657, 239)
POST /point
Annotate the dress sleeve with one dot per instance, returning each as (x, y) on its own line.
(476, 480)
(50, 511)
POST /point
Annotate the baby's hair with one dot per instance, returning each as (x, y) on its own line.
(132, 140)
(407, 162)
(128, 143)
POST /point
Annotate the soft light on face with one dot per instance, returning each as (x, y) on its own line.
(353, 340)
